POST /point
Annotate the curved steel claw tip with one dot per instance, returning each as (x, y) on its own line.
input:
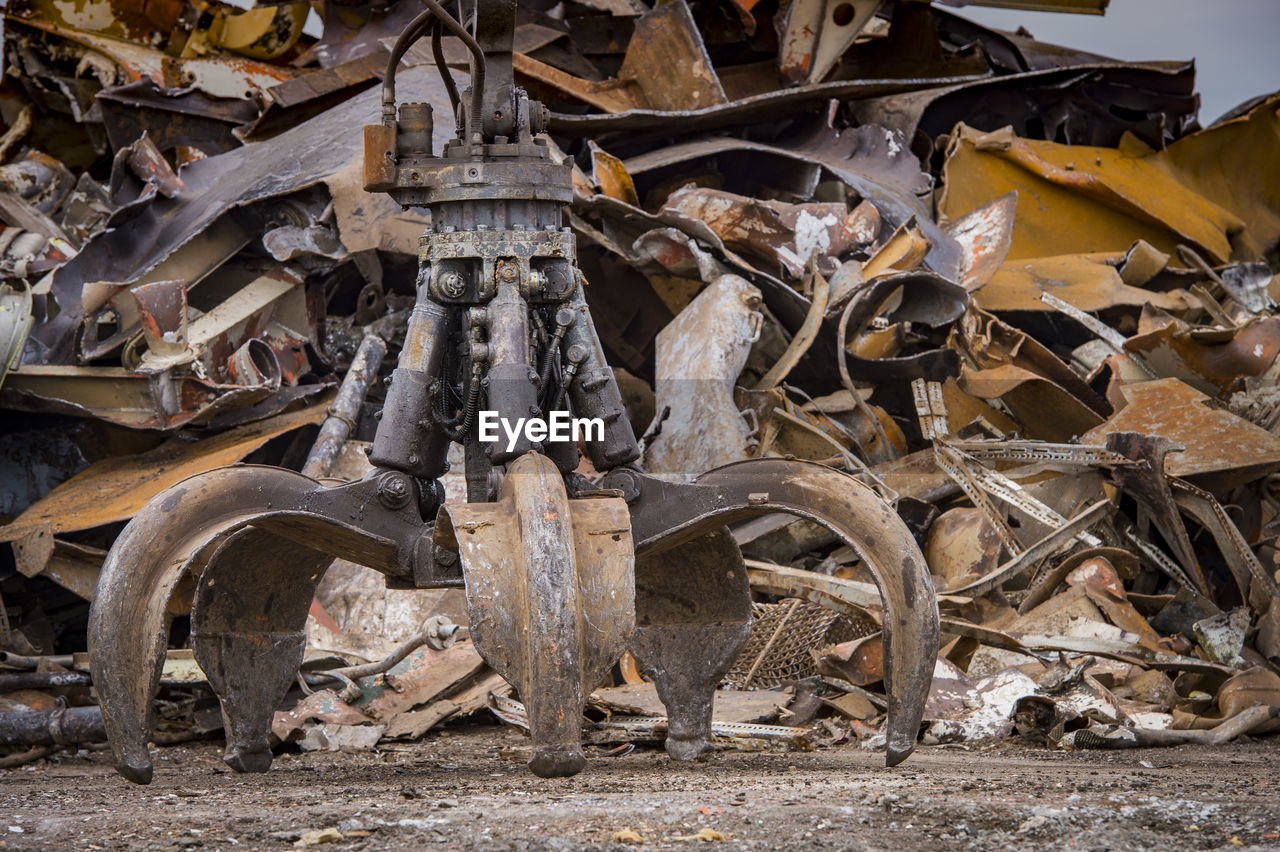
(246, 760)
(557, 762)
(687, 750)
(895, 753)
(136, 771)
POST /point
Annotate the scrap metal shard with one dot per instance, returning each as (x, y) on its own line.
(116, 489)
(668, 61)
(1218, 448)
(1090, 282)
(699, 358)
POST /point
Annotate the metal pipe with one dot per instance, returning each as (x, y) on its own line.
(438, 633)
(513, 390)
(13, 761)
(60, 726)
(21, 661)
(346, 407)
(42, 680)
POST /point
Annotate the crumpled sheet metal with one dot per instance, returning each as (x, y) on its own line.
(140, 237)
(815, 40)
(667, 58)
(1043, 394)
(874, 162)
(671, 243)
(964, 708)
(1081, 199)
(1058, 102)
(115, 489)
(753, 108)
(1216, 445)
(1212, 360)
(1236, 165)
(173, 117)
(1088, 281)
(783, 236)
(223, 77)
(160, 402)
(700, 355)
(984, 235)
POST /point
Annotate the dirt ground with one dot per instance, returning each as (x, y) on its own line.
(469, 789)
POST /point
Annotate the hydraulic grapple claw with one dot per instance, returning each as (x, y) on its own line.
(667, 515)
(500, 326)
(258, 539)
(550, 594)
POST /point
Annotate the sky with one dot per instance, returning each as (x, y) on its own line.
(1236, 43)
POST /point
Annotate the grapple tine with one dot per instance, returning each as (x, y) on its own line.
(247, 632)
(550, 594)
(244, 531)
(665, 515)
(693, 617)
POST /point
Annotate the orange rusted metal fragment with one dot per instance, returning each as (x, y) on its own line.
(984, 235)
(961, 547)
(115, 489)
(1090, 282)
(1210, 360)
(860, 661)
(1075, 198)
(1219, 449)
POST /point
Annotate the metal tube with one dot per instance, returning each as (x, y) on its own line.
(594, 393)
(346, 407)
(20, 661)
(513, 389)
(438, 633)
(406, 439)
(52, 727)
(42, 680)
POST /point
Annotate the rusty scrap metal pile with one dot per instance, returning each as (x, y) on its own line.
(1015, 288)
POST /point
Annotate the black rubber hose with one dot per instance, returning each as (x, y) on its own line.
(414, 31)
(408, 36)
(437, 53)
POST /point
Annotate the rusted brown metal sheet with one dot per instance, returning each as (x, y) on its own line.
(114, 490)
(668, 61)
(1087, 199)
(1217, 447)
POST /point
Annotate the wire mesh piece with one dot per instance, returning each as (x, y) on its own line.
(784, 638)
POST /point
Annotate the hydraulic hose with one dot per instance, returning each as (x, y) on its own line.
(437, 53)
(415, 30)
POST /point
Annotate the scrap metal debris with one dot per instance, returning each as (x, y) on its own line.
(1015, 288)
